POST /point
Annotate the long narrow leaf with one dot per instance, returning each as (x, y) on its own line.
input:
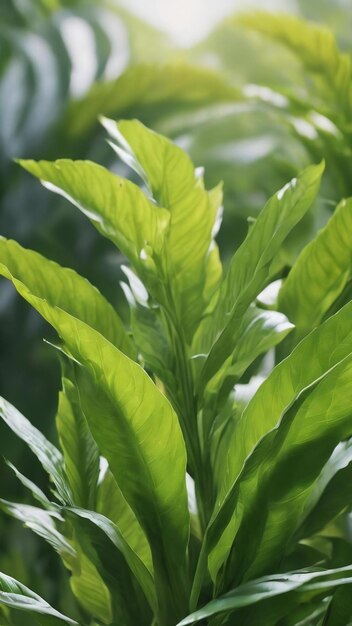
(114, 540)
(48, 455)
(81, 454)
(17, 596)
(262, 590)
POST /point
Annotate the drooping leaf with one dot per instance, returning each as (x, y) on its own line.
(114, 554)
(17, 596)
(140, 437)
(42, 523)
(65, 288)
(36, 492)
(294, 586)
(85, 581)
(47, 454)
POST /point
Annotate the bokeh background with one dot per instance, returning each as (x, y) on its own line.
(249, 108)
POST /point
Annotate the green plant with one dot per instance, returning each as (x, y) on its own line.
(181, 494)
(317, 109)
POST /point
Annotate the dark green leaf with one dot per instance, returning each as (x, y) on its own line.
(262, 590)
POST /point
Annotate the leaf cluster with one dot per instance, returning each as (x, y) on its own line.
(195, 480)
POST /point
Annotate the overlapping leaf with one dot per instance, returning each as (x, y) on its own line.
(253, 438)
(139, 436)
(289, 588)
(111, 504)
(88, 586)
(116, 207)
(272, 500)
(172, 181)
(43, 524)
(81, 455)
(320, 273)
(64, 288)
(330, 496)
(114, 557)
(48, 455)
(149, 86)
(17, 596)
(249, 270)
(316, 48)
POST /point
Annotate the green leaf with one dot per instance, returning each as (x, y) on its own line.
(339, 612)
(112, 504)
(65, 288)
(43, 524)
(326, 346)
(36, 492)
(116, 207)
(320, 273)
(331, 493)
(172, 181)
(80, 451)
(150, 331)
(272, 500)
(249, 270)
(150, 87)
(291, 586)
(49, 456)
(260, 331)
(252, 438)
(85, 581)
(88, 586)
(141, 439)
(16, 596)
(316, 48)
(115, 552)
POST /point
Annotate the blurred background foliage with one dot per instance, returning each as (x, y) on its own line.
(253, 100)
